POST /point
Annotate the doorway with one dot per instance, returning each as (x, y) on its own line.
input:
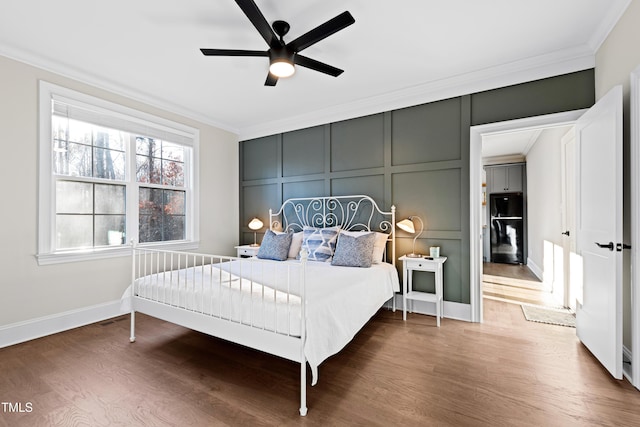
(599, 222)
(476, 179)
(535, 162)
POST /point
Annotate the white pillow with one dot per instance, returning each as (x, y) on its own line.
(379, 245)
(296, 244)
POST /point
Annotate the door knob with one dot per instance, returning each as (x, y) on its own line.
(566, 233)
(605, 245)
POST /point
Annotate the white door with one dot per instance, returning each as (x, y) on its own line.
(599, 229)
(572, 282)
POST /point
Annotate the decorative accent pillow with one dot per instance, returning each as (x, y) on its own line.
(379, 245)
(320, 242)
(275, 246)
(296, 244)
(354, 249)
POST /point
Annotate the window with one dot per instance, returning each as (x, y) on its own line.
(161, 208)
(110, 175)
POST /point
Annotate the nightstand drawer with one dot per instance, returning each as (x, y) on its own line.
(247, 250)
(424, 264)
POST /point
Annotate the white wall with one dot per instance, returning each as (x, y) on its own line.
(544, 202)
(619, 54)
(29, 291)
(616, 58)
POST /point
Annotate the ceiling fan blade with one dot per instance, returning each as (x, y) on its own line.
(234, 52)
(304, 61)
(258, 20)
(322, 31)
(271, 80)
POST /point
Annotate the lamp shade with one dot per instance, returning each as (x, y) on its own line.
(255, 224)
(406, 225)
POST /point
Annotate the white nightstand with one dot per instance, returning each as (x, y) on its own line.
(409, 265)
(245, 251)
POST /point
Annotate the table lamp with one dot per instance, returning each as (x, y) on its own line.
(255, 224)
(408, 226)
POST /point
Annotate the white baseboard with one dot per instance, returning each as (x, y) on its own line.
(16, 333)
(626, 353)
(626, 364)
(535, 269)
(451, 310)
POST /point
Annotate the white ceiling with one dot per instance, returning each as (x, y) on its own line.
(509, 143)
(396, 54)
(519, 142)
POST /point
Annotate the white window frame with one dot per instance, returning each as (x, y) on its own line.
(47, 254)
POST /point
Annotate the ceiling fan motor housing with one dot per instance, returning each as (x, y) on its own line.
(281, 54)
(281, 61)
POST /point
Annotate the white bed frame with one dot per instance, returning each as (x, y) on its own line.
(349, 212)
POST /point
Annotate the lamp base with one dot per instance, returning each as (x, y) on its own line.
(254, 245)
(412, 255)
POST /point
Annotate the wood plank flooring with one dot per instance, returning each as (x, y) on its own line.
(514, 284)
(503, 372)
(512, 271)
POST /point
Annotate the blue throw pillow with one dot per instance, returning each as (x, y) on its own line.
(320, 242)
(354, 250)
(275, 246)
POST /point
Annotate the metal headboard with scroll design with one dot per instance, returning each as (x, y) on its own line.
(352, 213)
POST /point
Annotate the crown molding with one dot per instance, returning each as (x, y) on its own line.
(503, 160)
(532, 140)
(607, 24)
(112, 87)
(540, 67)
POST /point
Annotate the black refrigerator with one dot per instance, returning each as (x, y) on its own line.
(507, 228)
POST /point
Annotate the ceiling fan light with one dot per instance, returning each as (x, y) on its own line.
(282, 68)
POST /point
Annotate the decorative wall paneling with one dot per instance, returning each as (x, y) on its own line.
(416, 158)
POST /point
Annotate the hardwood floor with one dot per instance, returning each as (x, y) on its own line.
(512, 271)
(514, 284)
(503, 372)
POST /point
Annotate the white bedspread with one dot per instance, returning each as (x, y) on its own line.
(339, 300)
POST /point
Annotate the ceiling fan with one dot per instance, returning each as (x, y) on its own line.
(283, 56)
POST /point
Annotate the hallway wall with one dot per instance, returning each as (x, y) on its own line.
(544, 206)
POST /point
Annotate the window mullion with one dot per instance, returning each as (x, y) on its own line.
(132, 194)
(94, 216)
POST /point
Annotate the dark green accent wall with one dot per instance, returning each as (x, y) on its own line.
(415, 158)
(561, 93)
